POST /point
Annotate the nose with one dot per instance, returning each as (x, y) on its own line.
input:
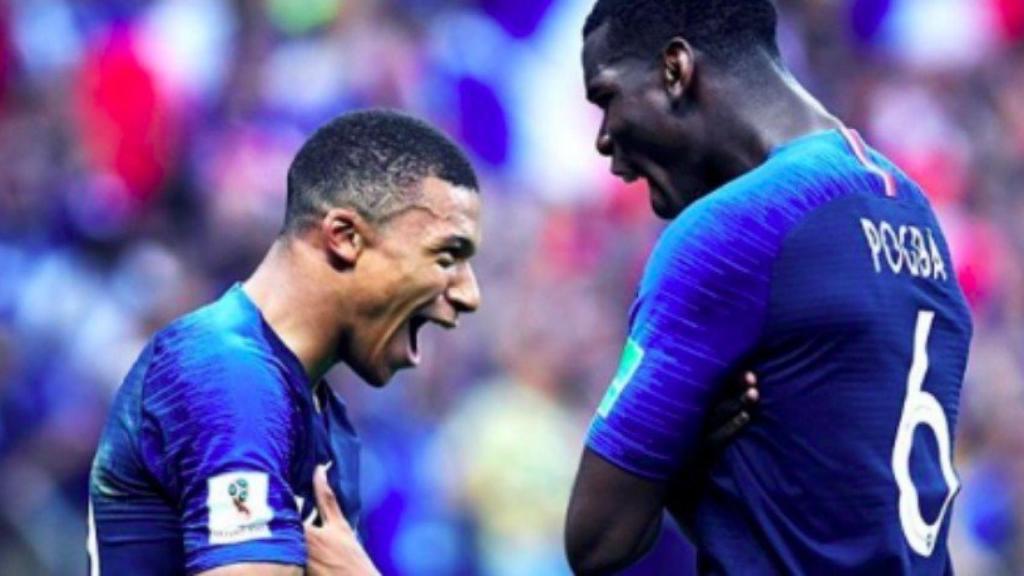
(604, 143)
(464, 292)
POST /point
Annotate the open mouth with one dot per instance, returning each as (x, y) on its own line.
(627, 176)
(417, 322)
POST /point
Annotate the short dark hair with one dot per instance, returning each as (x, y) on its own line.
(726, 30)
(371, 161)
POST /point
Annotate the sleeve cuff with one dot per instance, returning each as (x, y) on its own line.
(625, 453)
(261, 553)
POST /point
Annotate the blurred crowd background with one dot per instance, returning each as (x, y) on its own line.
(143, 150)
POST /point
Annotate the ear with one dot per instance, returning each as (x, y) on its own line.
(677, 67)
(345, 234)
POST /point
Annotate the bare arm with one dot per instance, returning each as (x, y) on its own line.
(614, 517)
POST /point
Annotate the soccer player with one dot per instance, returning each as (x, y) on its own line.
(794, 250)
(206, 465)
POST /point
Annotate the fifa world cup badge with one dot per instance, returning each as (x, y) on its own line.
(239, 492)
(238, 507)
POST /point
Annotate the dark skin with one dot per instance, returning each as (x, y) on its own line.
(687, 124)
(637, 527)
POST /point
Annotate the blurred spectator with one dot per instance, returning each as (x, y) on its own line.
(145, 145)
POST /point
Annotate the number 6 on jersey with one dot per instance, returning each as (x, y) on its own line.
(921, 408)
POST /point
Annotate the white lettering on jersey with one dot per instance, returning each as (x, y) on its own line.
(904, 249)
(238, 507)
(920, 408)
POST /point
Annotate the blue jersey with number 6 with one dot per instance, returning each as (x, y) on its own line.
(826, 272)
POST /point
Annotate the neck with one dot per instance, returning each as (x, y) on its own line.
(286, 290)
(756, 121)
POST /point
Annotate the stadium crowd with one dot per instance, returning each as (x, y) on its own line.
(143, 148)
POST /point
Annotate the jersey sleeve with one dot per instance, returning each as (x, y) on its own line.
(219, 436)
(698, 313)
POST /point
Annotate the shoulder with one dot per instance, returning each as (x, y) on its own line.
(748, 218)
(736, 223)
(201, 365)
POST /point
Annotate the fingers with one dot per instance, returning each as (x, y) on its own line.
(326, 501)
(743, 396)
(725, 432)
(751, 395)
(726, 410)
(734, 412)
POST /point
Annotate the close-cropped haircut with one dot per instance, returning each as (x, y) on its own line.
(372, 161)
(725, 30)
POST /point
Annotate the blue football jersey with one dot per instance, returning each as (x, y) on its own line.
(825, 271)
(208, 455)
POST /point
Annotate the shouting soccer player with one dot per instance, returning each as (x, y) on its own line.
(794, 250)
(207, 462)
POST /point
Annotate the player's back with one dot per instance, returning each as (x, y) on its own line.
(846, 467)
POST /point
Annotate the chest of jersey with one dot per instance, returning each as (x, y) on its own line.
(331, 441)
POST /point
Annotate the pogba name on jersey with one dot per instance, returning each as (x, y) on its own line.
(904, 249)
